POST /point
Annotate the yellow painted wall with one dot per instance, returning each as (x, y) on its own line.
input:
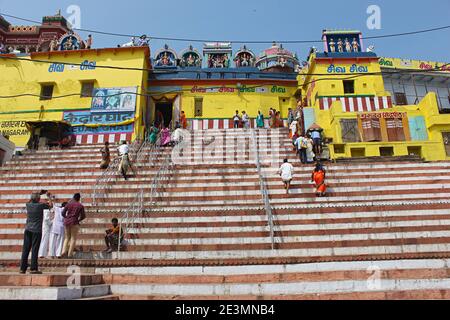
(432, 150)
(331, 85)
(224, 105)
(26, 77)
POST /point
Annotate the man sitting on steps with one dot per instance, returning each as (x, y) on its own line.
(112, 236)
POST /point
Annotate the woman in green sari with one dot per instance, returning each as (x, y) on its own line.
(260, 120)
(153, 135)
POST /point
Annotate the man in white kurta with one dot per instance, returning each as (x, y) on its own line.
(287, 173)
(46, 229)
(57, 233)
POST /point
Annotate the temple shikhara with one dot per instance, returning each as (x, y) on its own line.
(222, 140)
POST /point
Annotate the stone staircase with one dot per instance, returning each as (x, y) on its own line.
(207, 234)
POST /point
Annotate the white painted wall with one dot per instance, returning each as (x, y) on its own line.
(7, 146)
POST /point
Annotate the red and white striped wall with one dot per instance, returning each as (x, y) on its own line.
(359, 104)
(217, 124)
(102, 138)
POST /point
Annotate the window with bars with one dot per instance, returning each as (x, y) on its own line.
(350, 130)
(87, 87)
(401, 99)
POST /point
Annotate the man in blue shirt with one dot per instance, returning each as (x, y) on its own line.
(317, 139)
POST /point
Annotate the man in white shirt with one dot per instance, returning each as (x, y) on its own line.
(245, 120)
(123, 149)
(125, 162)
(287, 173)
(302, 146)
(46, 228)
(236, 120)
(57, 233)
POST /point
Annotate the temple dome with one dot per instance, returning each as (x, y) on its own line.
(277, 59)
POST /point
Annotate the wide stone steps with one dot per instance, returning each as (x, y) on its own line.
(426, 279)
(391, 279)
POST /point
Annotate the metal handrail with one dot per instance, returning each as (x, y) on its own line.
(136, 209)
(105, 182)
(263, 188)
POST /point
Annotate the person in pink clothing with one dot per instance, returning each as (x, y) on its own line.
(165, 137)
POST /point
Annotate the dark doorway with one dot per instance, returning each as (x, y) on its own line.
(166, 110)
(2, 156)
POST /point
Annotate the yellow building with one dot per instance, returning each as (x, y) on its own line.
(89, 89)
(344, 93)
(210, 90)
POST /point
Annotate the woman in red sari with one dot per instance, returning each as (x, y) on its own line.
(318, 178)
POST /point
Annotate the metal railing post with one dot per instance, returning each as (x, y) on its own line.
(263, 188)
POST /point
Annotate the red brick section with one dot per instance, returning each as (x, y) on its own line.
(276, 277)
(45, 280)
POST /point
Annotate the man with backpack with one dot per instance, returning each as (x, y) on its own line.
(302, 145)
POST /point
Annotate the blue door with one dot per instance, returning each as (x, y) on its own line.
(418, 128)
(310, 117)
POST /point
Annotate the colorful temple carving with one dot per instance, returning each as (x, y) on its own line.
(244, 58)
(166, 58)
(336, 41)
(218, 55)
(190, 58)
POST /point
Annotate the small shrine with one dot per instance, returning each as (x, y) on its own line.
(277, 59)
(166, 58)
(244, 58)
(218, 55)
(190, 58)
(342, 41)
(69, 41)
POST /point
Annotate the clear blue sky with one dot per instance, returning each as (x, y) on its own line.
(256, 20)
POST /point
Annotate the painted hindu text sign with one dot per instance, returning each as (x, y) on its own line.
(241, 89)
(85, 65)
(384, 115)
(114, 99)
(106, 122)
(14, 128)
(353, 69)
(396, 63)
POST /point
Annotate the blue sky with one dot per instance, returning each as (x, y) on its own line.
(256, 20)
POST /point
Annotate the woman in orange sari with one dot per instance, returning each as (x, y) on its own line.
(183, 120)
(318, 178)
